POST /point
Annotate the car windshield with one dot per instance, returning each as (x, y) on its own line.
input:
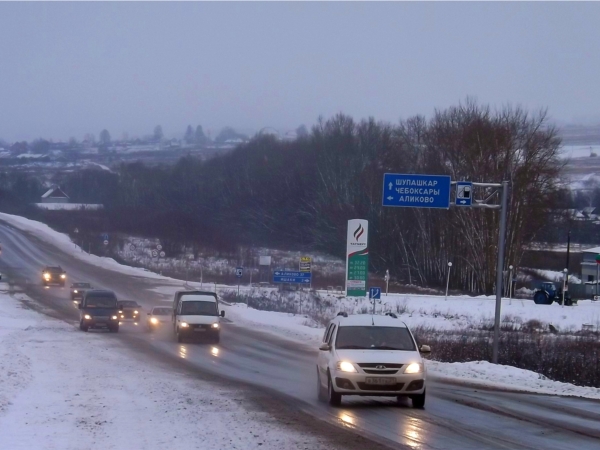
(82, 285)
(162, 311)
(53, 269)
(374, 338)
(101, 302)
(199, 308)
(128, 304)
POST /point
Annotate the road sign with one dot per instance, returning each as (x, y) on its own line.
(464, 193)
(416, 190)
(305, 264)
(162, 254)
(287, 276)
(375, 293)
(597, 259)
(132, 247)
(239, 271)
(104, 236)
(154, 253)
(159, 247)
(105, 242)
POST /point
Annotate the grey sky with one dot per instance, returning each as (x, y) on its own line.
(71, 68)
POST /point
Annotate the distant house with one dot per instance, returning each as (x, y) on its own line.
(55, 195)
(589, 266)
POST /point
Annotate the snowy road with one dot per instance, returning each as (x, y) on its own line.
(455, 416)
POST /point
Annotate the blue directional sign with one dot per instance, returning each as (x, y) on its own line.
(416, 191)
(375, 293)
(104, 236)
(239, 271)
(286, 276)
(464, 193)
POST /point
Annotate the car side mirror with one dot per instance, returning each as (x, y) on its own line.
(425, 349)
(325, 347)
(222, 313)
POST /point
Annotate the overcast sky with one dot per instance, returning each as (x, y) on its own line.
(71, 68)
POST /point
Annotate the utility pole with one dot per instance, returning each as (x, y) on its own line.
(499, 269)
(448, 279)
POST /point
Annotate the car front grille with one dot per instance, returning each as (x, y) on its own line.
(196, 326)
(374, 365)
(383, 387)
(101, 318)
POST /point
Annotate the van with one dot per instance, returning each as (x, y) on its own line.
(196, 315)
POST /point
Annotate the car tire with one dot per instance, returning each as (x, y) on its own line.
(418, 400)
(320, 390)
(333, 398)
(82, 327)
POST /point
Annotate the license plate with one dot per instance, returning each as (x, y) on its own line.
(100, 324)
(199, 329)
(380, 380)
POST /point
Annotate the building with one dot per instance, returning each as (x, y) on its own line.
(55, 195)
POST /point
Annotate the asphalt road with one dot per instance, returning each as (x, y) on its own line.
(455, 416)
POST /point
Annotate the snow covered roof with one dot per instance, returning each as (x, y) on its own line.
(55, 192)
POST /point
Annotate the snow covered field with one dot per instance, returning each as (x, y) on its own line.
(64, 389)
(456, 313)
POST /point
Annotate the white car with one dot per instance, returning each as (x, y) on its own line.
(158, 317)
(196, 315)
(370, 355)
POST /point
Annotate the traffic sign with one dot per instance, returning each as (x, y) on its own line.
(597, 259)
(375, 293)
(464, 193)
(162, 254)
(287, 276)
(416, 190)
(105, 242)
(132, 247)
(104, 236)
(305, 264)
(159, 247)
(239, 271)
(154, 253)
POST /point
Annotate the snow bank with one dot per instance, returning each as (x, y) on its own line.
(64, 389)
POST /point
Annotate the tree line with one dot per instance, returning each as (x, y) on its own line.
(300, 194)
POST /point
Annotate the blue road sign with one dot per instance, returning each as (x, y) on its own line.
(416, 191)
(104, 236)
(287, 276)
(239, 271)
(464, 193)
(375, 293)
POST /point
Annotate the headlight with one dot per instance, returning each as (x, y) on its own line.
(183, 325)
(154, 320)
(414, 368)
(345, 366)
(87, 317)
(215, 325)
(136, 312)
(47, 276)
(122, 316)
(75, 291)
(114, 317)
(63, 276)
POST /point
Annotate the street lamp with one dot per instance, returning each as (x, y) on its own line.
(448, 279)
(387, 281)
(510, 281)
(565, 271)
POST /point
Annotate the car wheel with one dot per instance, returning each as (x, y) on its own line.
(320, 393)
(333, 397)
(82, 327)
(418, 400)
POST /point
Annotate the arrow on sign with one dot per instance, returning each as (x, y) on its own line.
(462, 202)
(390, 198)
(390, 185)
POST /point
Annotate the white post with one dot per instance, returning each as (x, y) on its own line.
(564, 286)
(510, 280)
(448, 279)
(387, 281)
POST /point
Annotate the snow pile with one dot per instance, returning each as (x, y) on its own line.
(64, 389)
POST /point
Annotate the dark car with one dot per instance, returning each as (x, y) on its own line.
(129, 310)
(54, 275)
(159, 316)
(98, 309)
(78, 289)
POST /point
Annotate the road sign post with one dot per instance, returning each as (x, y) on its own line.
(289, 276)
(464, 190)
(374, 294)
(306, 266)
(239, 271)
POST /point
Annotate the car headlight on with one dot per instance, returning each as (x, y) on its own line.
(75, 291)
(47, 276)
(87, 317)
(414, 368)
(136, 312)
(215, 325)
(184, 325)
(114, 317)
(154, 320)
(63, 276)
(345, 366)
(122, 316)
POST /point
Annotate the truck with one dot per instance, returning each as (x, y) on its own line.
(196, 315)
